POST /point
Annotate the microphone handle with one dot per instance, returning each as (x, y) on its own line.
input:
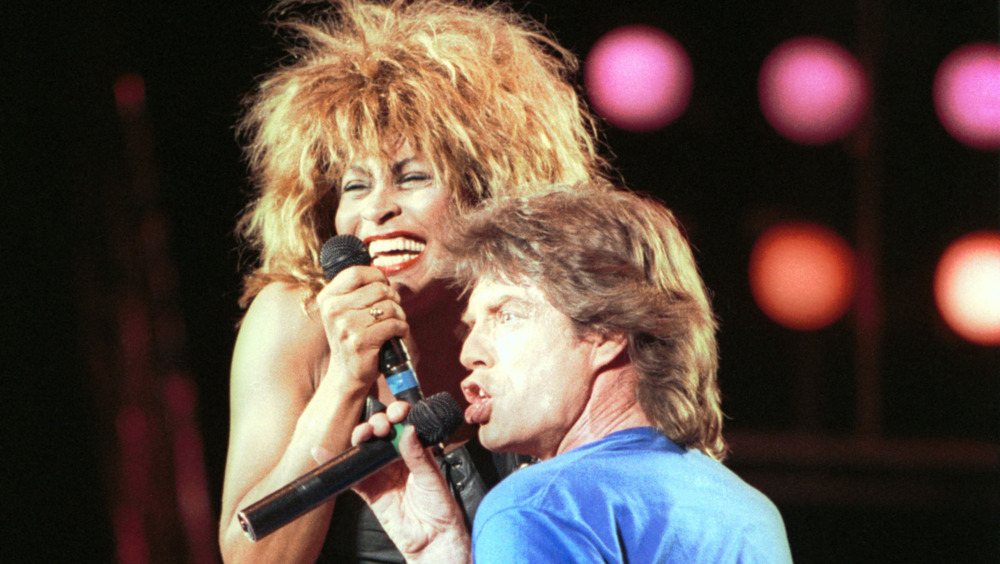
(316, 487)
(394, 364)
(411, 396)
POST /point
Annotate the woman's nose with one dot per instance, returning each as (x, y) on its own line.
(381, 205)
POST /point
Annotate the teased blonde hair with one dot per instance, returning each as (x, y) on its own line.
(482, 93)
(614, 262)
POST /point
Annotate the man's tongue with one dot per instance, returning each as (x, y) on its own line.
(478, 412)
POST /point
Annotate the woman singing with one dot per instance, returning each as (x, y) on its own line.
(384, 122)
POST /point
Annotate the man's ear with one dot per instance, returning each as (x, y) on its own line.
(607, 349)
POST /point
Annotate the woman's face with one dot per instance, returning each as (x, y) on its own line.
(397, 207)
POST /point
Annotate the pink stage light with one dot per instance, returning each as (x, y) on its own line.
(812, 90)
(967, 287)
(638, 78)
(967, 95)
(802, 275)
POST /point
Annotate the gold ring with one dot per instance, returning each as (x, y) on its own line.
(375, 313)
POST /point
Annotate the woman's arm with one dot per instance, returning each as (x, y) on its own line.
(289, 393)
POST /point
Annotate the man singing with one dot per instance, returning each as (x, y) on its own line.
(591, 346)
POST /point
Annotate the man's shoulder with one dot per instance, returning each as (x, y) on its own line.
(527, 486)
(568, 478)
(625, 470)
(595, 496)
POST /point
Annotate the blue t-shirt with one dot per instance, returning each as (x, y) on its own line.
(633, 496)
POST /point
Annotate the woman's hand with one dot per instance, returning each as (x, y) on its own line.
(359, 311)
(411, 498)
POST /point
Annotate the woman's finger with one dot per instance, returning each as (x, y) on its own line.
(385, 310)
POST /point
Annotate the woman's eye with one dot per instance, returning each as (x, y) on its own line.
(414, 177)
(352, 186)
(506, 316)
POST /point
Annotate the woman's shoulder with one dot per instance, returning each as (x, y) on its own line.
(284, 304)
(282, 322)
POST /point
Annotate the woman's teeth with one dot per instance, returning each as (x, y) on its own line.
(388, 252)
(396, 244)
(389, 260)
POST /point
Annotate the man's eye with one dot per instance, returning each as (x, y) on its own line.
(506, 316)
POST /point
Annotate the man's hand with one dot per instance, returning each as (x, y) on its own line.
(411, 498)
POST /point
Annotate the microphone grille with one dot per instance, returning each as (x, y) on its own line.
(340, 252)
(435, 418)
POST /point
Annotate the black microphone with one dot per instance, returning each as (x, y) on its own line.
(434, 419)
(344, 251)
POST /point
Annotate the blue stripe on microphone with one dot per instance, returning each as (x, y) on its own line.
(402, 381)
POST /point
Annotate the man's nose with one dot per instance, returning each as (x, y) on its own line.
(473, 352)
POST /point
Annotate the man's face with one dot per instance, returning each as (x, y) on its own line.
(531, 375)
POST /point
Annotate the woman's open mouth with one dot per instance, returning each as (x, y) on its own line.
(395, 253)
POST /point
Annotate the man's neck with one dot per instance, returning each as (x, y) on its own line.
(613, 406)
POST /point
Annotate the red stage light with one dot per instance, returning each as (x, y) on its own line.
(812, 90)
(967, 95)
(802, 275)
(638, 78)
(967, 287)
(130, 92)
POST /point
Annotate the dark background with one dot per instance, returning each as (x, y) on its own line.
(889, 453)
